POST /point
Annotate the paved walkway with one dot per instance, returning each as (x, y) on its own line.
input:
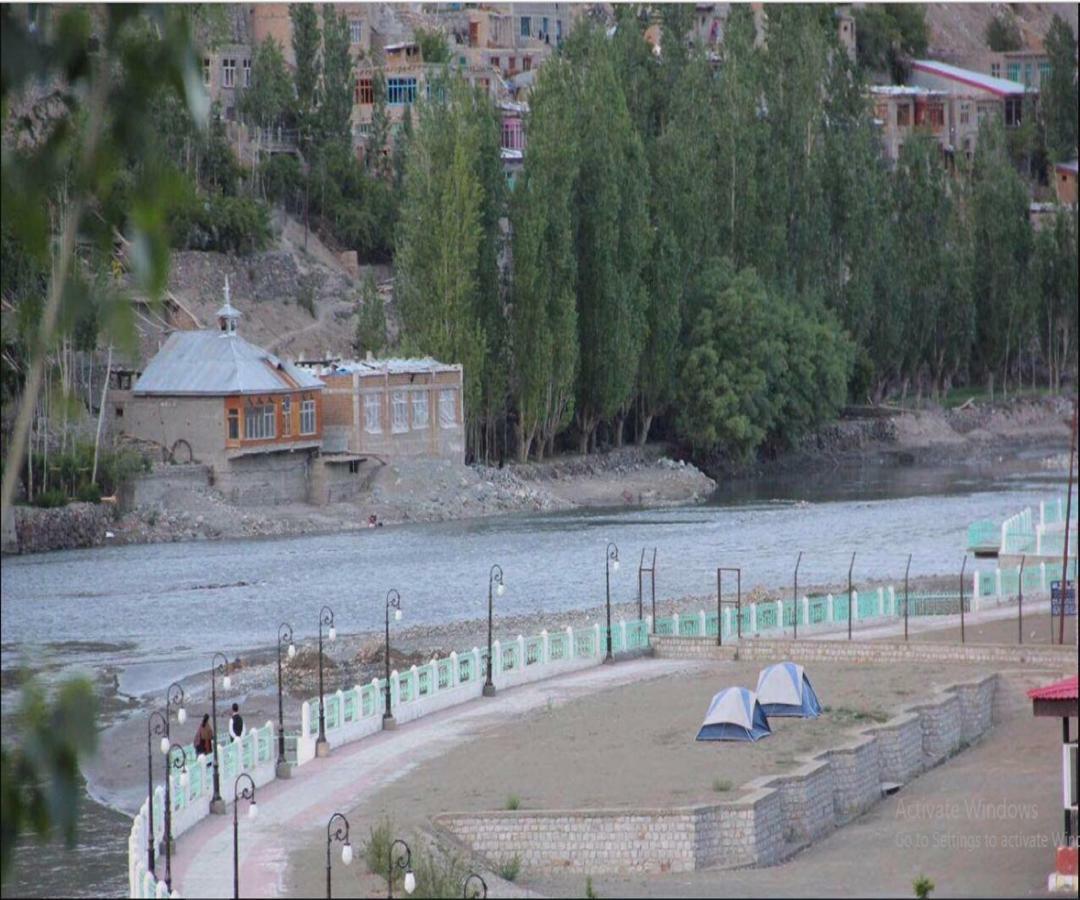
(290, 810)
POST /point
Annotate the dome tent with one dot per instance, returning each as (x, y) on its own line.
(784, 690)
(734, 715)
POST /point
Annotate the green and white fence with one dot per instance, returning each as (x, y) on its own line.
(1025, 532)
(190, 794)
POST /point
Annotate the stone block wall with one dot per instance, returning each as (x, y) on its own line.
(63, 528)
(900, 748)
(265, 479)
(774, 817)
(159, 487)
(860, 651)
(941, 729)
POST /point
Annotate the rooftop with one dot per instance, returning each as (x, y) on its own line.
(1066, 689)
(214, 363)
(999, 86)
(392, 366)
(1067, 166)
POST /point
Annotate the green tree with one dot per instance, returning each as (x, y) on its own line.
(887, 35)
(375, 154)
(612, 237)
(305, 42)
(543, 314)
(370, 320)
(1055, 274)
(1059, 92)
(1003, 34)
(336, 94)
(268, 102)
(41, 785)
(433, 46)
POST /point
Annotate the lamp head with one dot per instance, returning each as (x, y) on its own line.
(292, 650)
(181, 715)
(226, 682)
(410, 882)
(346, 853)
(332, 634)
(397, 615)
(614, 565)
(164, 745)
(501, 589)
(253, 810)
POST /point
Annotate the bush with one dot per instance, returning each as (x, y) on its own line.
(720, 785)
(513, 802)
(922, 887)
(283, 181)
(509, 869)
(438, 875)
(53, 498)
(89, 493)
(590, 892)
(239, 225)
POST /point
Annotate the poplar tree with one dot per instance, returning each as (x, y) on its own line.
(269, 99)
(305, 42)
(336, 95)
(543, 314)
(1059, 91)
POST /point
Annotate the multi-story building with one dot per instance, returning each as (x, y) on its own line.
(1027, 67)
(953, 118)
(1006, 95)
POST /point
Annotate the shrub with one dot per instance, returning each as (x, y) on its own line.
(922, 887)
(89, 493)
(51, 499)
(239, 225)
(509, 869)
(377, 849)
(720, 785)
(305, 299)
(590, 893)
(438, 875)
(513, 802)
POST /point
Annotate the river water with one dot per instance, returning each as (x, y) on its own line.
(148, 614)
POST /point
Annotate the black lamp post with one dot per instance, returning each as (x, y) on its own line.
(248, 793)
(479, 887)
(611, 563)
(341, 833)
(172, 761)
(403, 861)
(217, 804)
(156, 724)
(907, 570)
(174, 696)
(326, 617)
(849, 613)
(795, 598)
(495, 584)
(284, 639)
(393, 600)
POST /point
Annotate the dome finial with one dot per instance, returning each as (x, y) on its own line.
(227, 315)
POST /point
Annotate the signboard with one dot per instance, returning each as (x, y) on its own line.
(1055, 598)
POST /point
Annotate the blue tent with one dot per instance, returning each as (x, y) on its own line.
(784, 690)
(734, 715)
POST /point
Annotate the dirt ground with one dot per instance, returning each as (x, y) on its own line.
(634, 745)
(1037, 629)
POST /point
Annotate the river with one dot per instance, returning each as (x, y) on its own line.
(148, 614)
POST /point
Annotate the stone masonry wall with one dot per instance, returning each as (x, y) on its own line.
(64, 528)
(774, 817)
(862, 651)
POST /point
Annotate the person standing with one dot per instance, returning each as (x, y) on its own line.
(204, 737)
(236, 723)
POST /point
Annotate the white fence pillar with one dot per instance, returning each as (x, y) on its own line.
(622, 633)
(601, 650)
(701, 622)
(395, 689)
(521, 651)
(806, 611)
(892, 601)
(675, 624)
(830, 612)
(496, 658)
(753, 618)
(997, 582)
(880, 601)
(545, 647)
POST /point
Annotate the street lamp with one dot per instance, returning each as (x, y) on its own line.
(341, 833)
(496, 584)
(172, 762)
(174, 696)
(479, 887)
(326, 617)
(217, 804)
(404, 861)
(393, 600)
(156, 724)
(611, 564)
(284, 638)
(248, 793)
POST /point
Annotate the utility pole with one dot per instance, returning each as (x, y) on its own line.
(1068, 513)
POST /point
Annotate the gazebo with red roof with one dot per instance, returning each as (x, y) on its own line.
(1060, 700)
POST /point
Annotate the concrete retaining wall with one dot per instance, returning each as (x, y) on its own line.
(158, 488)
(265, 478)
(861, 651)
(774, 817)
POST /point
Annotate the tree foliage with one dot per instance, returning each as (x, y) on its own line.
(1059, 92)
(887, 35)
(1003, 34)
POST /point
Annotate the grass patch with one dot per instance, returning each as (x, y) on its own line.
(438, 875)
(845, 714)
(513, 802)
(720, 785)
(377, 850)
(590, 892)
(509, 869)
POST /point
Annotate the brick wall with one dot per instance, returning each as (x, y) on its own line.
(862, 651)
(774, 817)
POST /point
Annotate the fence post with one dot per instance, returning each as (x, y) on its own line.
(496, 658)
(675, 624)
(997, 581)
(453, 669)
(880, 601)
(569, 643)
(806, 611)
(701, 621)
(545, 648)
(395, 690)
(1042, 575)
(596, 629)
(753, 618)
(829, 611)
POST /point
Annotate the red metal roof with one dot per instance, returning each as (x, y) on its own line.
(1066, 689)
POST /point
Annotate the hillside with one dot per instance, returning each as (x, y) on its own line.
(959, 29)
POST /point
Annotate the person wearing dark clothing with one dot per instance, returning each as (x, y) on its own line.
(204, 738)
(236, 723)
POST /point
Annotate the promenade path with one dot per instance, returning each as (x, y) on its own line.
(290, 810)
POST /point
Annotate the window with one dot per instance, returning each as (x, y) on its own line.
(447, 408)
(965, 113)
(1044, 71)
(228, 73)
(307, 417)
(420, 410)
(495, 62)
(206, 71)
(247, 73)
(526, 63)
(903, 115)
(286, 416)
(935, 117)
(1013, 111)
(259, 422)
(526, 26)
(365, 91)
(354, 466)
(400, 91)
(995, 70)
(511, 64)
(474, 33)
(558, 30)
(356, 30)
(399, 403)
(544, 30)
(1028, 71)
(372, 419)
(234, 424)
(1013, 71)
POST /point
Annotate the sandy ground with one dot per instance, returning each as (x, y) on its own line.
(964, 849)
(1037, 628)
(634, 745)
